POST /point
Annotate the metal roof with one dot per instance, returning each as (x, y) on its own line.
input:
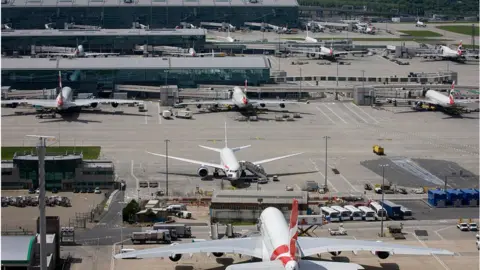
(47, 157)
(148, 3)
(17, 249)
(115, 63)
(252, 196)
(103, 32)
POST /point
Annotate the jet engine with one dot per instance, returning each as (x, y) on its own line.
(114, 104)
(217, 254)
(262, 105)
(313, 55)
(13, 105)
(381, 254)
(175, 257)
(202, 171)
(282, 105)
(336, 253)
(94, 105)
(199, 106)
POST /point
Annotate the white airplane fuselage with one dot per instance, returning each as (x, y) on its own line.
(230, 164)
(239, 98)
(275, 235)
(64, 98)
(311, 40)
(449, 53)
(439, 98)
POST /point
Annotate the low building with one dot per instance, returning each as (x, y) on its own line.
(23, 252)
(229, 206)
(64, 172)
(152, 215)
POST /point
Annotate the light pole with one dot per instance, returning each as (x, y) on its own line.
(363, 79)
(166, 166)
(301, 81)
(326, 156)
(383, 197)
(337, 73)
(41, 149)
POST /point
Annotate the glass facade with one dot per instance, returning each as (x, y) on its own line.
(118, 44)
(55, 171)
(156, 17)
(88, 80)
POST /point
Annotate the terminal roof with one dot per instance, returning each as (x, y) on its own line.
(150, 3)
(114, 63)
(103, 32)
(17, 249)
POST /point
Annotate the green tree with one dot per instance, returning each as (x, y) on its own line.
(130, 210)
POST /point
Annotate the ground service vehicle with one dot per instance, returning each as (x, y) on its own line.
(368, 214)
(183, 114)
(462, 226)
(379, 211)
(356, 214)
(473, 227)
(393, 210)
(344, 213)
(377, 149)
(181, 230)
(152, 236)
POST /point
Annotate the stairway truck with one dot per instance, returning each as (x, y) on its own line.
(394, 210)
(184, 114)
(180, 230)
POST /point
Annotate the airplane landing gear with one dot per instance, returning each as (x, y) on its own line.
(215, 173)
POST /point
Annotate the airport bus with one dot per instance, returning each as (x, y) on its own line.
(330, 214)
(344, 213)
(356, 214)
(368, 214)
(379, 211)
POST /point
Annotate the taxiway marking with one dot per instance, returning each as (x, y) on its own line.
(335, 114)
(371, 117)
(320, 110)
(316, 168)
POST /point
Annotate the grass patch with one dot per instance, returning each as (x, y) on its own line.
(420, 33)
(423, 40)
(89, 152)
(460, 29)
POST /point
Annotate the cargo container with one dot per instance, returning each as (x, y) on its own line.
(393, 209)
(454, 197)
(307, 220)
(470, 197)
(437, 198)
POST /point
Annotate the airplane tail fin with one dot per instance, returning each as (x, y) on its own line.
(60, 79)
(293, 228)
(460, 48)
(245, 88)
(450, 94)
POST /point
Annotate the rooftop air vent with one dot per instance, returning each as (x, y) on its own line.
(253, 1)
(128, 1)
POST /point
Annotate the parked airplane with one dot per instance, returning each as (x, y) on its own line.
(279, 247)
(79, 52)
(240, 101)
(310, 39)
(229, 164)
(64, 104)
(420, 24)
(228, 38)
(328, 53)
(436, 99)
(446, 53)
(366, 28)
(192, 53)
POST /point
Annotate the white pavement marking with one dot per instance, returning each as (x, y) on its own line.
(310, 83)
(320, 110)
(274, 60)
(316, 168)
(335, 114)
(348, 182)
(435, 256)
(373, 118)
(348, 107)
(146, 110)
(441, 237)
(159, 114)
(136, 179)
(295, 185)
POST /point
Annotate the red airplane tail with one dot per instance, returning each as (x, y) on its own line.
(293, 228)
(450, 94)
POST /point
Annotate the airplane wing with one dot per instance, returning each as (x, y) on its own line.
(202, 163)
(302, 264)
(214, 54)
(427, 101)
(99, 54)
(210, 102)
(47, 103)
(275, 158)
(273, 101)
(466, 101)
(339, 53)
(88, 101)
(310, 246)
(309, 52)
(250, 246)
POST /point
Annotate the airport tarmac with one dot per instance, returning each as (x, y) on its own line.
(352, 130)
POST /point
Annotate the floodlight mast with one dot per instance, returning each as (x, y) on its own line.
(41, 149)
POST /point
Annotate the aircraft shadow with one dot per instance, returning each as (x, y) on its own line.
(83, 121)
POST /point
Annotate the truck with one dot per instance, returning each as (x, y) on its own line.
(393, 210)
(184, 114)
(377, 149)
(167, 114)
(152, 236)
(179, 230)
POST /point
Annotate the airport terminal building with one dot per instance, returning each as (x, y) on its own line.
(34, 14)
(99, 74)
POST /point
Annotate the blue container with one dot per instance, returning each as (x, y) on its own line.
(470, 197)
(437, 198)
(477, 195)
(393, 209)
(454, 197)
